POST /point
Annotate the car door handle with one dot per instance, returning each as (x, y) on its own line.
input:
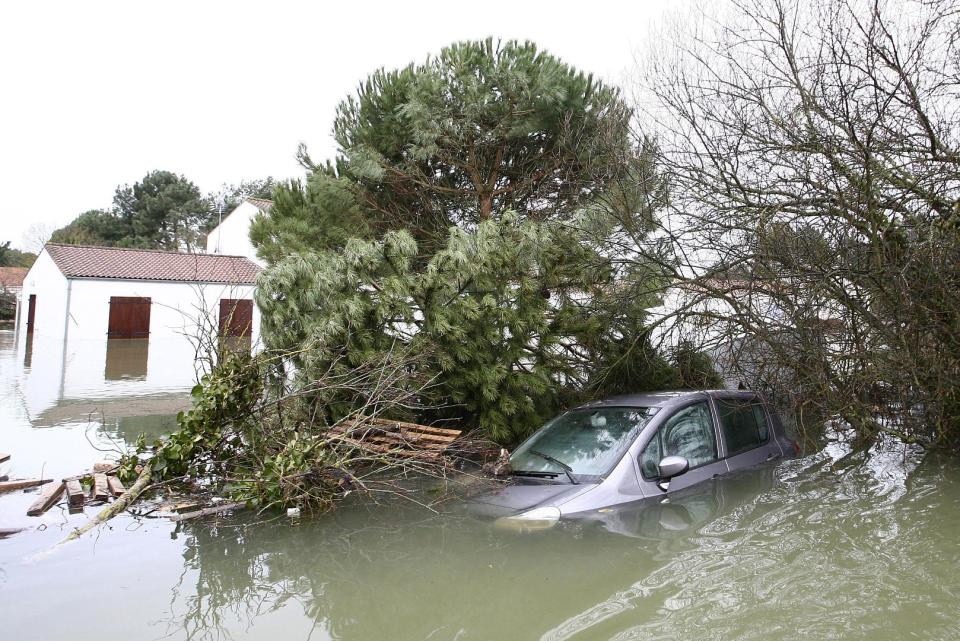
(771, 456)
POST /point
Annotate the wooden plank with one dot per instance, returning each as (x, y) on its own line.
(75, 496)
(207, 511)
(396, 451)
(188, 506)
(49, 496)
(427, 437)
(10, 486)
(375, 438)
(104, 467)
(399, 425)
(388, 442)
(403, 443)
(99, 491)
(116, 486)
(405, 436)
(4, 457)
(399, 440)
(442, 431)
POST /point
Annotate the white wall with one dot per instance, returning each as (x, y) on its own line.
(176, 308)
(177, 313)
(62, 367)
(42, 352)
(50, 287)
(232, 236)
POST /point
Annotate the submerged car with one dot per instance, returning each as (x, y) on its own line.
(635, 448)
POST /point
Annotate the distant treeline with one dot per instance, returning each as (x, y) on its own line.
(161, 211)
(10, 257)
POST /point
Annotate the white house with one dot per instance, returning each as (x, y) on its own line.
(232, 235)
(131, 314)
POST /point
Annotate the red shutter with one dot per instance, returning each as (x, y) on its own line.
(31, 313)
(236, 317)
(129, 317)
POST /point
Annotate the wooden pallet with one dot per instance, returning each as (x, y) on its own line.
(397, 438)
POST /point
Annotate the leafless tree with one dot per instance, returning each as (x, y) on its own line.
(813, 157)
(36, 236)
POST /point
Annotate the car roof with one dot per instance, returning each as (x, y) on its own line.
(664, 399)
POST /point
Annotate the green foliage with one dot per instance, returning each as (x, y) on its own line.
(10, 257)
(93, 227)
(488, 209)
(215, 431)
(479, 130)
(320, 212)
(270, 445)
(161, 211)
(693, 369)
(506, 315)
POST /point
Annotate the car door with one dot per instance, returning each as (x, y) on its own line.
(745, 431)
(691, 432)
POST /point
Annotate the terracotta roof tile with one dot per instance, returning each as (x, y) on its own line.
(82, 261)
(12, 277)
(261, 203)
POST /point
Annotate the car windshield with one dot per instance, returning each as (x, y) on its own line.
(588, 441)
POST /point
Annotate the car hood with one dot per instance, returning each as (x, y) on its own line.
(520, 497)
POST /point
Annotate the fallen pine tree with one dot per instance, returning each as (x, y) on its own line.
(251, 440)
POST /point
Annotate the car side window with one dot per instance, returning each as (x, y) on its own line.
(744, 424)
(688, 433)
(650, 457)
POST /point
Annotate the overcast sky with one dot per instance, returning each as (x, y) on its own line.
(96, 94)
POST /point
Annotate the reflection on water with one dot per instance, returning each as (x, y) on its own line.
(844, 544)
(788, 552)
(126, 359)
(57, 373)
(61, 409)
(27, 349)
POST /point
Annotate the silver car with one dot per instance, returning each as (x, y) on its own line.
(634, 448)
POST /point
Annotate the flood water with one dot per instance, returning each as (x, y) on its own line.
(839, 544)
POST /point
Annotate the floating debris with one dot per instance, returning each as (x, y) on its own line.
(75, 494)
(207, 511)
(22, 484)
(50, 495)
(100, 491)
(397, 438)
(116, 486)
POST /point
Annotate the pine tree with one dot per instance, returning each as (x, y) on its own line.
(481, 129)
(161, 211)
(489, 211)
(498, 346)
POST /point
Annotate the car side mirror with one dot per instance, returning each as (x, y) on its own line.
(670, 467)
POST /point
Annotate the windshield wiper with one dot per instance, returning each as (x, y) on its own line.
(563, 466)
(535, 473)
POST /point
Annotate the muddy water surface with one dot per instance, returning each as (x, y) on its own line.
(835, 545)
